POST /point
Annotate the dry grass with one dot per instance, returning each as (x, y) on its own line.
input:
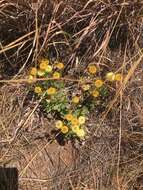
(106, 32)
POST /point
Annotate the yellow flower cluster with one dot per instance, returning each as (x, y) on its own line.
(113, 77)
(75, 125)
(90, 85)
(98, 83)
(43, 64)
(32, 75)
(74, 120)
(45, 67)
(50, 90)
(109, 76)
(69, 117)
(78, 131)
(60, 125)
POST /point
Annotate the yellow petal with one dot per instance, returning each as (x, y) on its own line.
(68, 117)
(80, 133)
(56, 75)
(64, 129)
(51, 91)
(110, 76)
(81, 120)
(59, 124)
(33, 71)
(98, 83)
(40, 73)
(59, 65)
(118, 77)
(38, 90)
(92, 69)
(75, 128)
(75, 99)
(95, 93)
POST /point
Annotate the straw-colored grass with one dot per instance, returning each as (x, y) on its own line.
(105, 32)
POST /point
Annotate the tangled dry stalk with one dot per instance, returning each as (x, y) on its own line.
(106, 32)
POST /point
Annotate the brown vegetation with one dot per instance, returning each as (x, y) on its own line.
(106, 32)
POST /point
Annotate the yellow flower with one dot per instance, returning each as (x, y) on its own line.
(59, 65)
(30, 79)
(81, 120)
(64, 129)
(92, 69)
(44, 60)
(48, 68)
(76, 99)
(56, 75)
(38, 90)
(118, 77)
(75, 128)
(43, 64)
(80, 133)
(59, 124)
(98, 83)
(74, 121)
(51, 91)
(82, 79)
(68, 117)
(110, 76)
(40, 73)
(86, 87)
(33, 71)
(95, 93)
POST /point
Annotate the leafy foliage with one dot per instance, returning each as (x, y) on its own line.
(71, 103)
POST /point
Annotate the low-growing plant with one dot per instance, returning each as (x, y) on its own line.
(70, 101)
